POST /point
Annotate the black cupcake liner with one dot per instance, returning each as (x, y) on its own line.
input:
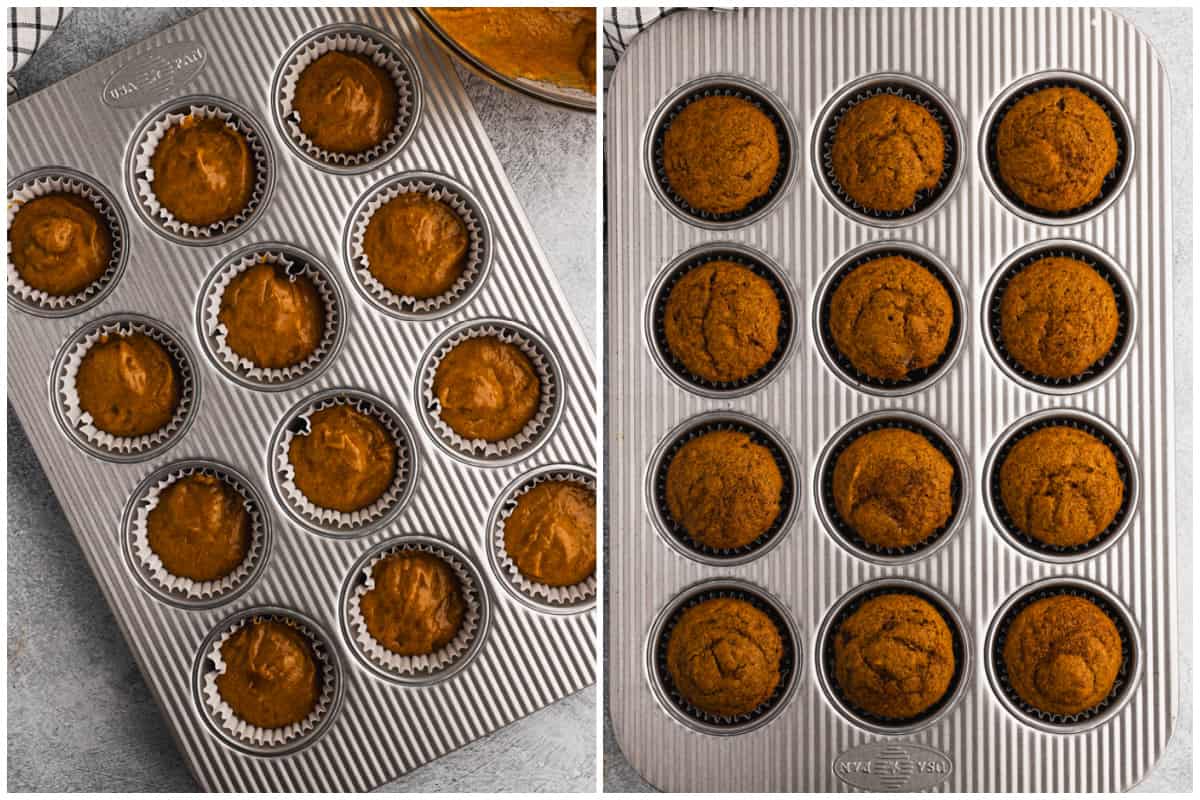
(959, 649)
(722, 89)
(925, 198)
(1125, 675)
(788, 496)
(1112, 181)
(784, 335)
(788, 668)
(915, 377)
(1124, 469)
(843, 528)
(1097, 369)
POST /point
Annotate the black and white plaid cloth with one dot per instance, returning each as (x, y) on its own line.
(28, 29)
(622, 24)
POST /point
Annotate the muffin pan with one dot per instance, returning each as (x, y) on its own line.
(373, 729)
(978, 740)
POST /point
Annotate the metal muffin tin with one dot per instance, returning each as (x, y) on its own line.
(378, 729)
(807, 58)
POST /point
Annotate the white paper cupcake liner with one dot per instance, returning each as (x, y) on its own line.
(216, 331)
(238, 728)
(144, 173)
(61, 184)
(328, 517)
(81, 422)
(377, 53)
(549, 394)
(564, 596)
(476, 246)
(177, 584)
(438, 660)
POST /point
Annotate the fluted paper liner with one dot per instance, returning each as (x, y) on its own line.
(144, 173)
(346, 521)
(549, 394)
(177, 584)
(217, 332)
(62, 184)
(238, 728)
(81, 421)
(438, 660)
(475, 246)
(376, 52)
(554, 595)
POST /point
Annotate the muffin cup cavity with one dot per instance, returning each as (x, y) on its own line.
(1127, 676)
(543, 597)
(656, 490)
(63, 181)
(917, 379)
(790, 666)
(329, 521)
(1114, 182)
(141, 174)
(177, 589)
(296, 263)
(79, 425)
(721, 86)
(442, 663)
(268, 741)
(850, 603)
(536, 431)
(908, 88)
(1107, 269)
(761, 266)
(479, 248)
(381, 51)
(1082, 421)
(847, 536)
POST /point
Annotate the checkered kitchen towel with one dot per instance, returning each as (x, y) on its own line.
(622, 24)
(28, 29)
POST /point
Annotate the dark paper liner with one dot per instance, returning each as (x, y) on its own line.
(787, 323)
(917, 378)
(789, 497)
(1113, 182)
(1124, 468)
(1098, 370)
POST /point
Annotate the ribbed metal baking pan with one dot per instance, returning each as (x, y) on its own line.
(805, 57)
(382, 729)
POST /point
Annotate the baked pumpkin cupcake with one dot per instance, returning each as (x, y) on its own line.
(1062, 654)
(345, 102)
(1054, 148)
(722, 321)
(1061, 486)
(272, 678)
(893, 657)
(416, 246)
(720, 154)
(551, 533)
(128, 384)
(724, 489)
(724, 656)
(487, 389)
(1058, 317)
(59, 243)
(345, 462)
(891, 316)
(200, 528)
(893, 488)
(416, 606)
(204, 172)
(887, 149)
(272, 319)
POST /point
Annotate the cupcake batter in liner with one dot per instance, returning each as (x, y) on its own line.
(80, 422)
(379, 54)
(144, 173)
(425, 665)
(108, 211)
(547, 403)
(561, 596)
(477, 247)
(342, 521)
(216, 331)
(243, 731)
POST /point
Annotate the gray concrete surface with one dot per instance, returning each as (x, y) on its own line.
(80, 718)
(1170, 32)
